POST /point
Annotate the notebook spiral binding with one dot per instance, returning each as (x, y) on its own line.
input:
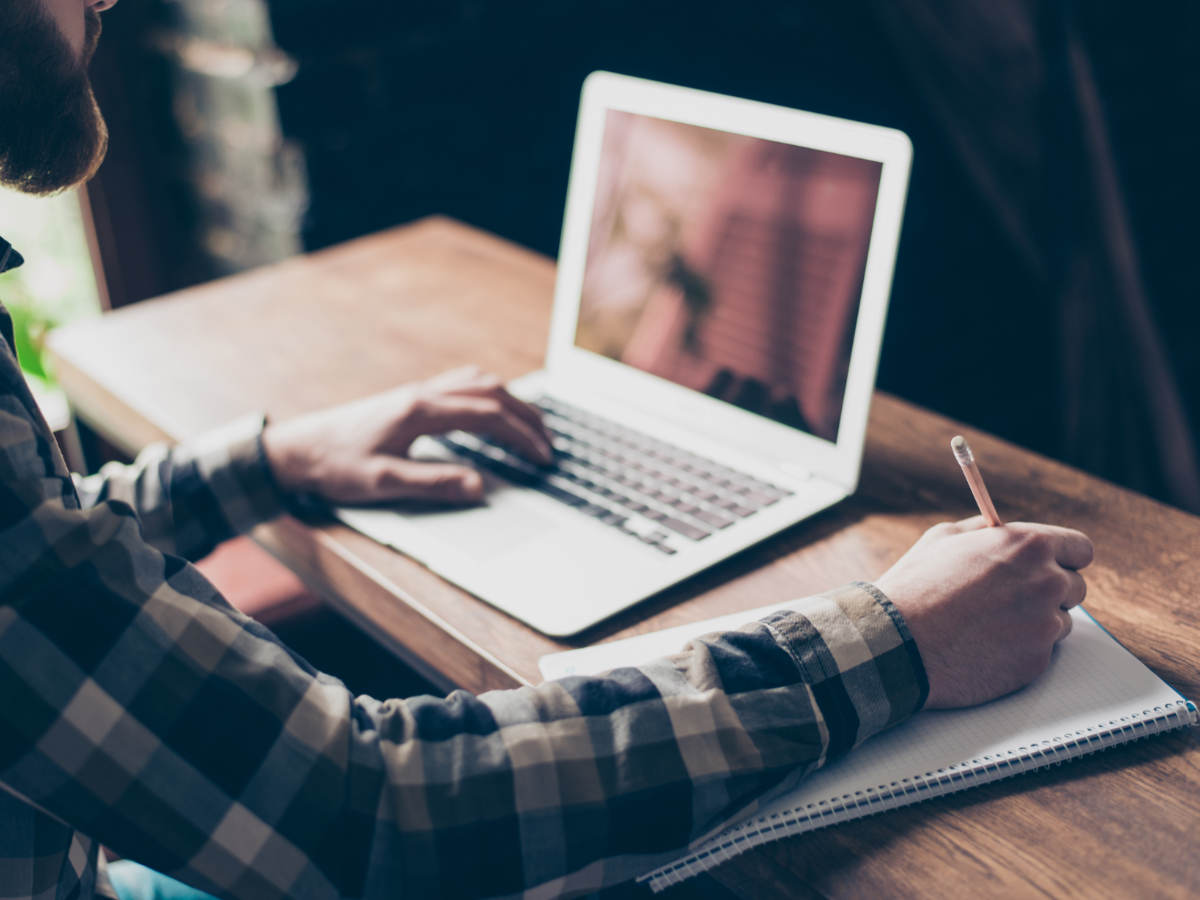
(1039, 755)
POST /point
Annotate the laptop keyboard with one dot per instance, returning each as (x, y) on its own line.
(656, 492)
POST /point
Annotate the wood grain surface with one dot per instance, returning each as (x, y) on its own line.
(414, 301)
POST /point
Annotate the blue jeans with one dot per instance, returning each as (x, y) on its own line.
(136, 882)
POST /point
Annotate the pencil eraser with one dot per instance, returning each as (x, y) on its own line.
(962, 452)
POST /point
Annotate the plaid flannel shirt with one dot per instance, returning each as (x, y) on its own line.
(140, 711)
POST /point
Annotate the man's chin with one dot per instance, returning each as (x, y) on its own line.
(53, 136)
(54, 155)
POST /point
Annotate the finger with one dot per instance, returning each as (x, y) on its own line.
(1076, 590)
(1076, 550)
(437, 415)
(452, 379)
(949, 529)
(471, 381)
(1072, 549)
(1066, 623)
(972, 523)
(402, 479)
(488, 386)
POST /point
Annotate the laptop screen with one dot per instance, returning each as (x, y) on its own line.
(728, 264)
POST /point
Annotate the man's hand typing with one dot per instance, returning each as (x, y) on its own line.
(357, 453)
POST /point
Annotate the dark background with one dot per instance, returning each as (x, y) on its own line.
(1045, 284)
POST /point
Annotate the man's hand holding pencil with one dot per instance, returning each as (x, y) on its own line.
(987, 602)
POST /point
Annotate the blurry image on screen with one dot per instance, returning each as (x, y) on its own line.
(728, 264)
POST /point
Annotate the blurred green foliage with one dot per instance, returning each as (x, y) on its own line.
(57, 283)
(29, 331)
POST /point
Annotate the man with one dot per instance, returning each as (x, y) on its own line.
(141, 712)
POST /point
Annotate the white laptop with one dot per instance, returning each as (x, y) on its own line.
(722, 287)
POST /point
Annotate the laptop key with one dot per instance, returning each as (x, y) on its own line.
(716, 520)
(658, 540)
(562, 496)
(632, 504)
(663, 548)
(688, 530)
(759, 500)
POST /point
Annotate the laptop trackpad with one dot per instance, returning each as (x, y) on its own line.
(505, 521)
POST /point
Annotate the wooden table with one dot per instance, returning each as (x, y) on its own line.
(411, 302)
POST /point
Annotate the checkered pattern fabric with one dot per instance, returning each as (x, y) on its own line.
(139, 710)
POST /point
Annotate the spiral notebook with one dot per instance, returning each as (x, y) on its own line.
(1096, 694)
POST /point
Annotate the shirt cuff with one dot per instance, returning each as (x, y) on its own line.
(855, 651)
(233, 463)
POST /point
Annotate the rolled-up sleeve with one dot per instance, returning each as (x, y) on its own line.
(192, 496)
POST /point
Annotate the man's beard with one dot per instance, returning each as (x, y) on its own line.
(52, 135)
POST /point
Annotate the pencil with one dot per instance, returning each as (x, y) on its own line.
(966, 459)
